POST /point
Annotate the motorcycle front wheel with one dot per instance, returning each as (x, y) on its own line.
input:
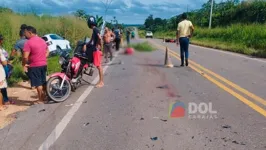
(53, 89)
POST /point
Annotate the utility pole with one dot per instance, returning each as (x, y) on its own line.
(210, 21)
(106, 4)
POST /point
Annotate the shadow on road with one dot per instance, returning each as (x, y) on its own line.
(20, 102)
(151, 65)
(158, 65)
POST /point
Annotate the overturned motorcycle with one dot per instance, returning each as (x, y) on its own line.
(60, 84)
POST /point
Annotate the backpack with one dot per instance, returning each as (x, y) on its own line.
(9, 70)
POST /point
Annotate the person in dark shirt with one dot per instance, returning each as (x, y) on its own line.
(94, 46)
(128, 37)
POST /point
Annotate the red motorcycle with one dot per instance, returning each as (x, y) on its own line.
(60, 84)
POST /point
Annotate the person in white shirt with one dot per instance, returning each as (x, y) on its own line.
(5, 65)
(3, 82)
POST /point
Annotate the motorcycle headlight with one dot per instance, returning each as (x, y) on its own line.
(61, 60)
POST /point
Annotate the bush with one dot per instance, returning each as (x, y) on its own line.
(143, 47)
(240, 38)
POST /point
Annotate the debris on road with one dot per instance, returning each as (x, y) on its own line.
(69, 105)
(163, 87)
(163, 120)
(86, 124)
(42, 110)
(141, 118)
(226, 127)
(85, 102)
(235, 142)
(192, 137)
(129, 51)
(154, 138)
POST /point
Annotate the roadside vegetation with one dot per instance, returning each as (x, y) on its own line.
(143, 47)
(141, 33)
(237, 27)
(72, 27)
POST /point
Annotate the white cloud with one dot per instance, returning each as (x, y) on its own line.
(127, 11)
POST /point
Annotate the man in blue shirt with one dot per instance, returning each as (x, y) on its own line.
(18, 47)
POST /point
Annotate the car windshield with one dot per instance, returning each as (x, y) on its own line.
(45, 39)
(56, 37)
(149, 32)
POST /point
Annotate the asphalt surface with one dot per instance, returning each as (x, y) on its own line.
(131, 112)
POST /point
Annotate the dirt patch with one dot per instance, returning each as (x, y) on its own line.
(23, 96)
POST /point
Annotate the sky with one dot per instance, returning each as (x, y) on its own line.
(126, 11)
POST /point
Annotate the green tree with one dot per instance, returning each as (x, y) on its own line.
(4, 9)
(99, 20)
(81, 14)
(149, 22)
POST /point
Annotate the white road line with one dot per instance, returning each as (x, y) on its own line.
(55, 134)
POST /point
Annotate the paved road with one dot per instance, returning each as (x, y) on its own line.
(132, 111)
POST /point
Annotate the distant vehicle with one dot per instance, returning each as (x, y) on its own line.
(149, 34)
(56, 43)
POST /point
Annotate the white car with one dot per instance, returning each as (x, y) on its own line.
(149, 34)
(56, 43)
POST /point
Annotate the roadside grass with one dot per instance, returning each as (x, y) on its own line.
(239, 38)
(141, 33)
(73, 29)
(53, 65)
(143, 47)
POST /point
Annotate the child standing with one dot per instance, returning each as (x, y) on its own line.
(7, 67)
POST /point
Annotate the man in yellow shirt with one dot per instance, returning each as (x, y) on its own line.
(185, 30)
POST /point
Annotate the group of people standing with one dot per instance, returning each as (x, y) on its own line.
(34, 52)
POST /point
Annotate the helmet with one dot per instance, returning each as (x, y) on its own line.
(91, 21)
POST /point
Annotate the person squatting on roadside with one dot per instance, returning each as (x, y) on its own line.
(94, 46)
(35, 53)
(108, 44)
(185, 31)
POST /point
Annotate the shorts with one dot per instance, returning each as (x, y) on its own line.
(37, 76)
(97, 58)
(107, 48)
